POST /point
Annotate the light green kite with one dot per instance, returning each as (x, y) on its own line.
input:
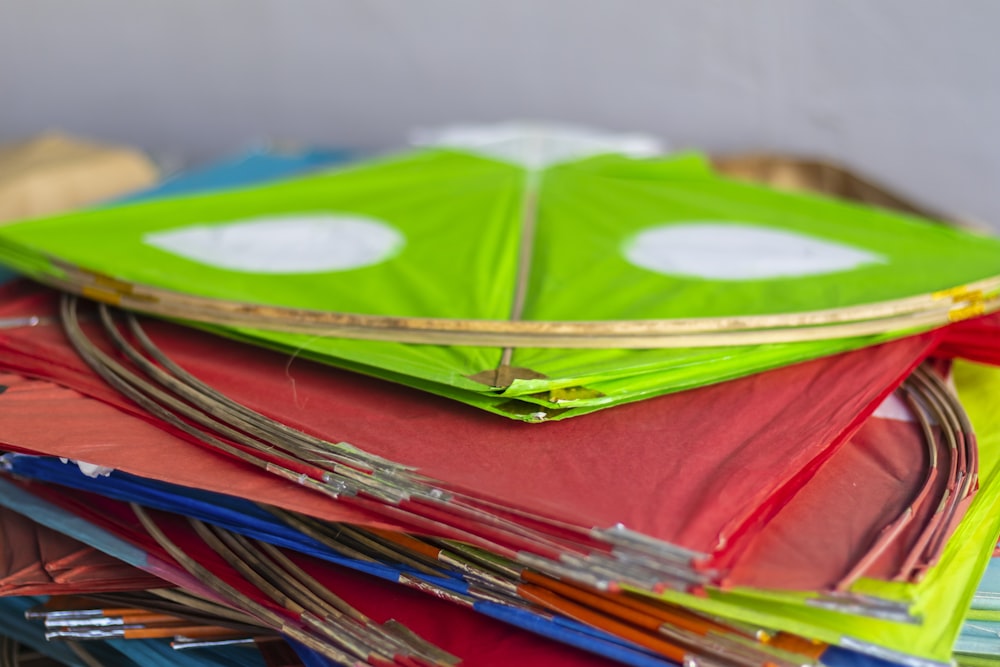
(534, 274)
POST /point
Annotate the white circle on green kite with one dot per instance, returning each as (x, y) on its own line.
(724, 250)
(284, 243)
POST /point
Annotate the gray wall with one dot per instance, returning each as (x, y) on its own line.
(906, 90)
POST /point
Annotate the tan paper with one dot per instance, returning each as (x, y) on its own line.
(55, 172)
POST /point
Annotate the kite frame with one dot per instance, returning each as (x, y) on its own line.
(916, 313)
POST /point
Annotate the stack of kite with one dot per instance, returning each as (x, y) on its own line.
(521, 395)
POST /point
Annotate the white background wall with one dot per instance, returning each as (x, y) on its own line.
(905, 90)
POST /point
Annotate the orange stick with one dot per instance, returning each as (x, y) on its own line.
(190, 631)
(595, 619)
(407, 542)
